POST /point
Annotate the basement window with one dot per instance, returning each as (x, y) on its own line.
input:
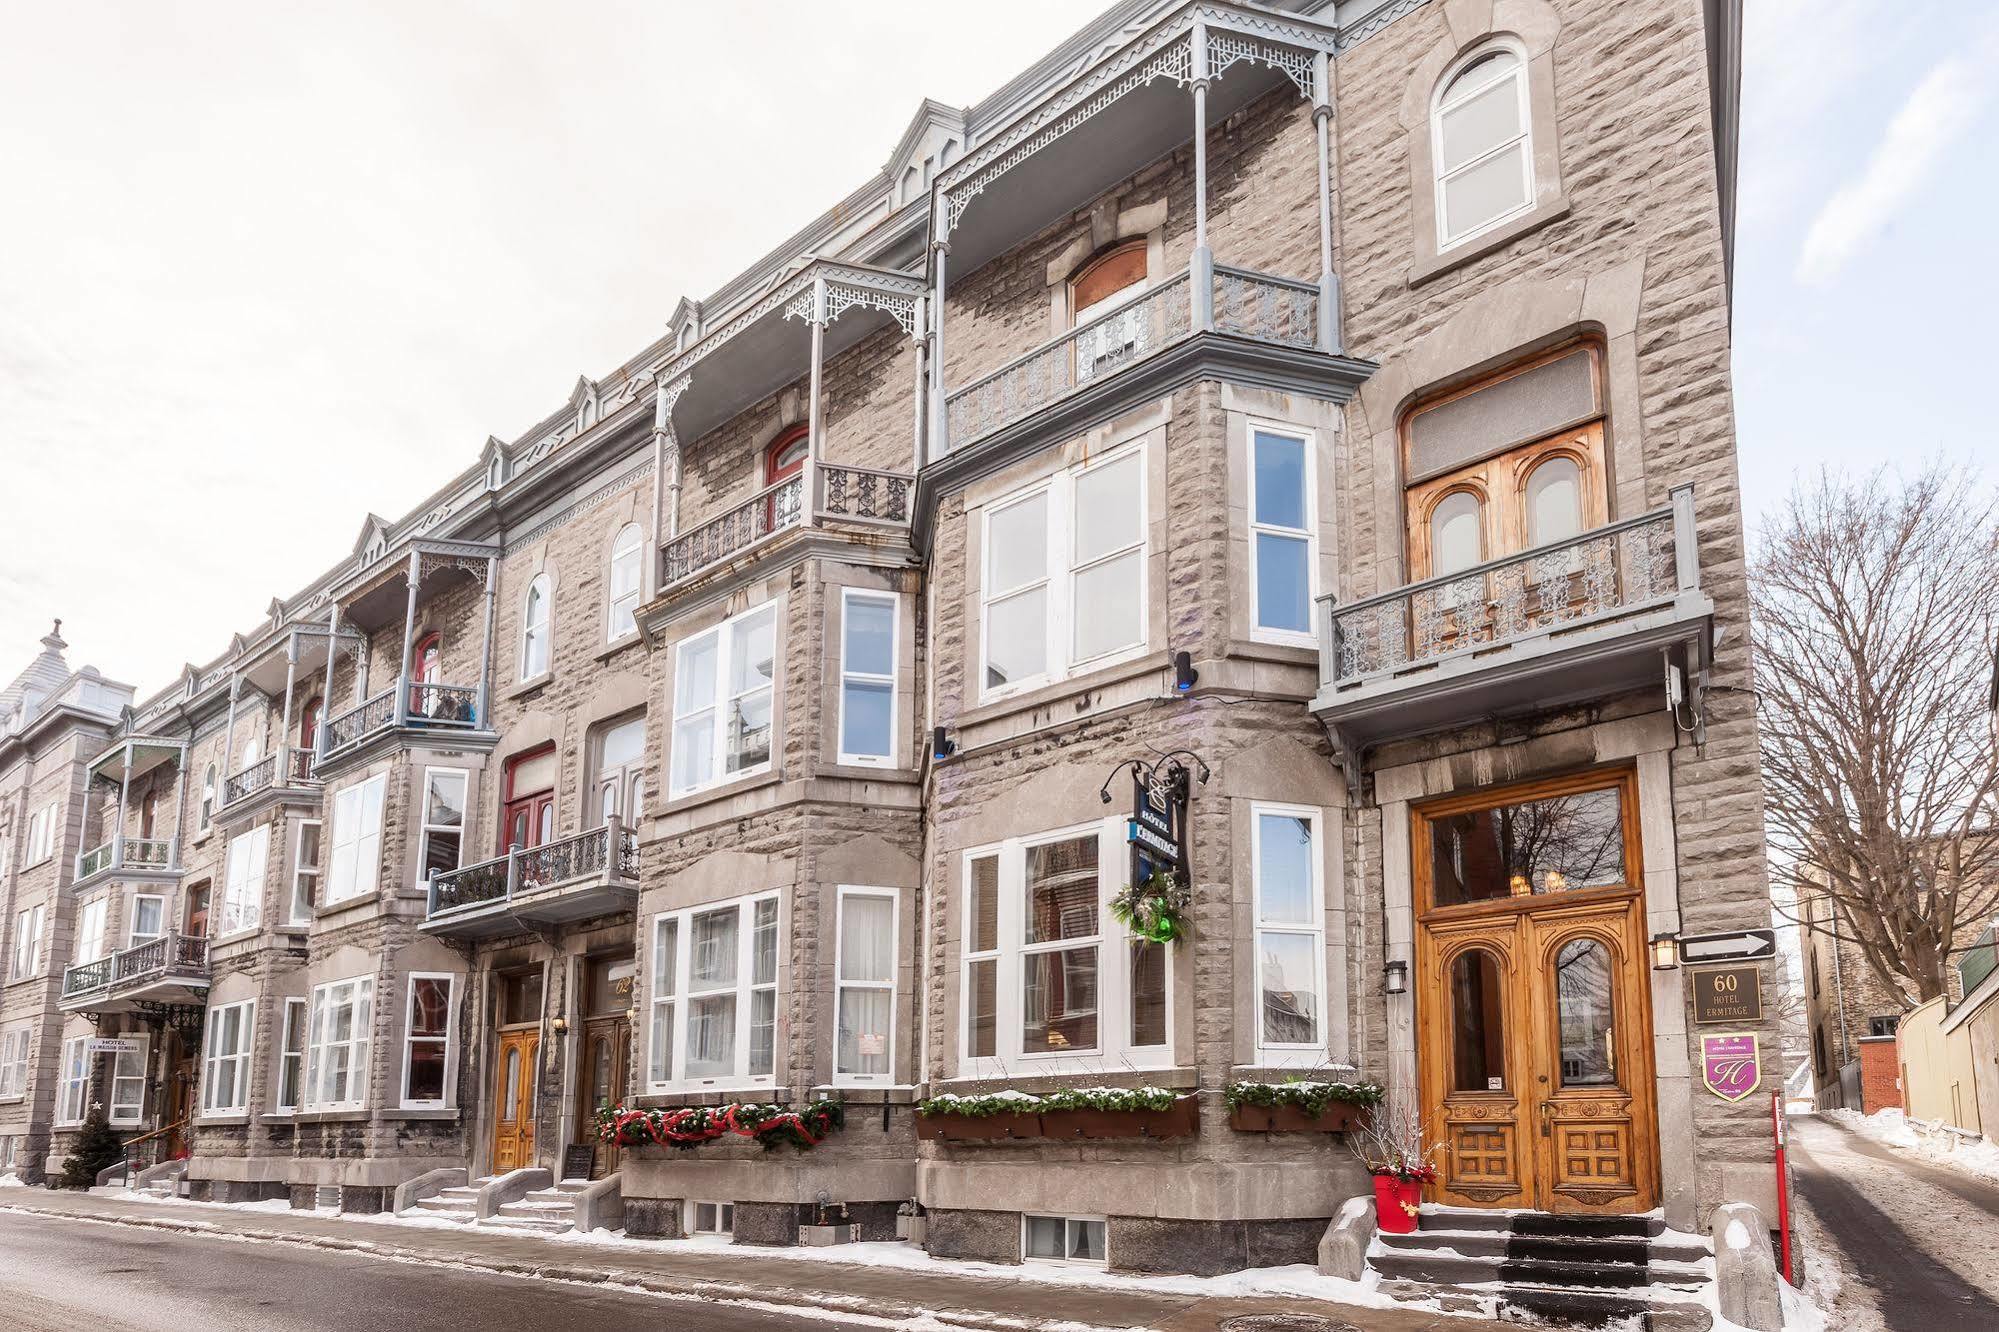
(1076, 1241)
(711, 1218)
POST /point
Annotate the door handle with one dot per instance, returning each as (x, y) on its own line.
(1547, 1119)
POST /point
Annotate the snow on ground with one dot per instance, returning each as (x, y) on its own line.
(1936, 1145)
(1834, 1296)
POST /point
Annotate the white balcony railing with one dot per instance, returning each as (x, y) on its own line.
(181, 955)
(586, 855)
(288, 766)
(128, 853)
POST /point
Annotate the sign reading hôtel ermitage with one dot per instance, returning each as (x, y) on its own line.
(1731, 1066)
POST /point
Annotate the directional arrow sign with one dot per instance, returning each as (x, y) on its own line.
(1737, 945)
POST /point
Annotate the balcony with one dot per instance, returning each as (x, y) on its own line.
(590, 874)
(430, 707)
(171, 970)
(1584, 618)
(287, 769)
(124, 857)
(848, 496)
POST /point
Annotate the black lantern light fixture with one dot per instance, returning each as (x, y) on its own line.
(1665, 952)
(1395, 976)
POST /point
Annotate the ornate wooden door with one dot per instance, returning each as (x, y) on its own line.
(601, 1081)
(514, 1100)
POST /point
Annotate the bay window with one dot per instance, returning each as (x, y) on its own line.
(1285, 854)
(1282, 545)
(356, 865)
(243, 881)
(427, 1037)
(714, 996)
(90, 930)
(226, 1059)
(723, 683)
(149, 917)
(128, 1083)
(864, 987)
(337, 1044)
(73, 1082)
(1064, 586)
(443, 829)
(1050, 979)
(867, 677)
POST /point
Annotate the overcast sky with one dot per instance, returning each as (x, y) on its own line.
(267, 267)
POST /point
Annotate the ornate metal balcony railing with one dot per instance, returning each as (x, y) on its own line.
(471, 885)
(729, 534)
(85, 977)
(1267, 308)
(1601, 574)
(1081, 356)
(175, 954)
(586, 855)
(351, 726)
(576, 857)
(127, 853)
(864, 495)
(443, 705)
(257, 777)
(298, 766)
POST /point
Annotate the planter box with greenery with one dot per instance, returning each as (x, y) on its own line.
(1301, 1107)
(1084, 1112)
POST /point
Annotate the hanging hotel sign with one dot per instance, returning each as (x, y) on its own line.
(113, 1045)
(1728, 994)
(1731, 1066)
(1157, 829)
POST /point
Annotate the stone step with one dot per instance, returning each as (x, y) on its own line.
(1540, 1223)
(1445, 1268)
(1540, 1306)
(1551, 1248)
(547, 1211)
(534, 1225)
(446, 1207)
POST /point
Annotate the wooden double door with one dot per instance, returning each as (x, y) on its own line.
(516, 1075)
(1534, 1013)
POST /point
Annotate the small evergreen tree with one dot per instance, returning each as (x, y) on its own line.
(96, 1148)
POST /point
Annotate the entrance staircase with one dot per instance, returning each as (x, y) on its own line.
(1589, 1271)
(549, 1211)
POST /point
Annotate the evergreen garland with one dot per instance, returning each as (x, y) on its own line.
(772, 1126)
(1313, 1098)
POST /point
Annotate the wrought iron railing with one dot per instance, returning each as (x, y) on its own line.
(443, 705)
(127, 853)
(257, 777)
(85, 977)
(1602, 574)
(182, 953)
(586, 855)
(357, 723)
(298, 766)
(864, 495)
(729, 534)
(1267, 308)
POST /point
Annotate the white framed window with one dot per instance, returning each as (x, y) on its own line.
(714, 995)
(711, 1218)
(723, 686)
(291, 1057)
(337, 1044)
(207, 797)
(619, 764)
(305, 871)
(128, 1083)
(864, 967)
(1051, 980)
(149, 919)
(1285, 868)
(622, 583)
(443, 834)
(1073, 1241)
(1065, 586)
(90, 940)
(243, 881)
(225, 1057)
(253, 752)
(868, 645)
(14, 1060)
(428, 1037)
(1283, 543)
(356, 864)
(28, 941)
(73, 1082)
(1482, 143)
(534, 629)
(41, 835)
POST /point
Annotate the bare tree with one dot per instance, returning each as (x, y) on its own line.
(1875, 604)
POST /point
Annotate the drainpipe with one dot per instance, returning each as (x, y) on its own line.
(1201, 268)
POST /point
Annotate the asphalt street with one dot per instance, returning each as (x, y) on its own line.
(62, 1274)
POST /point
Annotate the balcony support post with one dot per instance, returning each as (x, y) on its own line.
(916, 347)
(1329, 285)
(326, 694)
(414, 577)
(940, 246)
(124, 797)
(283, 747)
(180, 804)
(228, 741)
(654, 527)
(89, 783)
(815, 410)
(1201, 269)
(486, 641)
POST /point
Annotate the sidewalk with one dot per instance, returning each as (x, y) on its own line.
(1008, 1300)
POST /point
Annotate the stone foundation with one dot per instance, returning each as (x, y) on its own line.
(364, 1200)
(1210, 1248)
(654, 1218)
(987, 1237)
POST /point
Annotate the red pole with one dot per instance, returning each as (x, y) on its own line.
(1783, 1183)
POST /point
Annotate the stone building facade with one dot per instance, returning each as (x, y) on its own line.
(1313, 420)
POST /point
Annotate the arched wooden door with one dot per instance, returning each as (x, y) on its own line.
(514, 1099)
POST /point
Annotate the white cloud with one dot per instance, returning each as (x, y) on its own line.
(1941, 109)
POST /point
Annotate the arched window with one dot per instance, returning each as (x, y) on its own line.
(1482, 145)
(1586, 1014)
(1106, 282)
(423, 671)
(1478, 1032)
(534, 629)
(309, 722)
(1457, 533)
(253, 750)
(1554, 501)
(208, 795)
(623, 582)
(784, 459)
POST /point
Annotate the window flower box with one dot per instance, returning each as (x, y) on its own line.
(948, 1126)
(1180, 1119)
(1086, 1113)
(1301, 1107)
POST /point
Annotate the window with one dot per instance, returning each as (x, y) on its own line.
(243, 881)
(1281, 542)
(41, 835)
(1586, 1013)
(1882, 1024)
(1290, 934)
(1050, 979)
(305, 872)
(864, 984)
(1064, 583)
(1482, 146)
(867, 678)
(253, 751)
(1105, 284)
(722, 694)
(527, 818)
(443, 821)
(1478, 1022)
(73, 1084)
(28, 941)
(128, 1083)
(711, 1218)
(337, 1042)
(226, 1056)
(291, 1057)
(619, 762)
(14, 1060)
(427, 1028)
(534, 629)
(149, 919)
(622, 599)
(1074, 1240)
(715, 988)
(207, 796)
(90, 939)
(1560, 842)
(357, 840)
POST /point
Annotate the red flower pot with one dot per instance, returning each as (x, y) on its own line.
(1395, 1203)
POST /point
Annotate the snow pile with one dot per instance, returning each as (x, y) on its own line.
(1935, 1144)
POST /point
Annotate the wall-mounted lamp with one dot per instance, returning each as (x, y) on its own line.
(1395, 976)
(558, 1024)
(1665, 952)
(942, 746)
(1184, 674)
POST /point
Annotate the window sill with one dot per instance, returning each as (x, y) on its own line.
(278, 1117)
(438, 1113)
(224, 1119)
(1172, 1079)
(1433, 265)
(674, 1100)
(617, 646)
(330, 1116)
(527, 686)
(345, 904)
(1042, 696)
(12, 1100)
(720, 791)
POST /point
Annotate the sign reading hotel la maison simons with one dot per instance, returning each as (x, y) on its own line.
(1728, 994)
